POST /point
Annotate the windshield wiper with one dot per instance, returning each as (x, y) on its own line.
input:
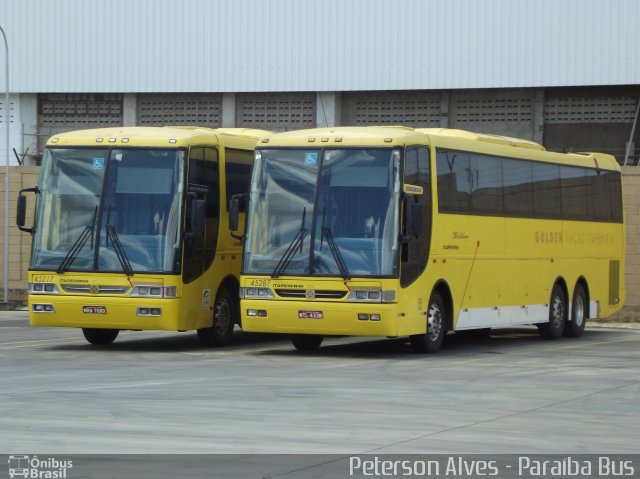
(296, 243)
(335, 251)
(87, 232)
(120, 252)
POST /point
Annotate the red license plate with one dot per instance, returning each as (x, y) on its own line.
(310, 314)
(94, 310)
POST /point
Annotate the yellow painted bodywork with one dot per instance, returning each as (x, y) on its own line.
(485, 262)
(188, 310)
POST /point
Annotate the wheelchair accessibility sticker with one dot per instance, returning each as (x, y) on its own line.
(311, 159)
(98, 164)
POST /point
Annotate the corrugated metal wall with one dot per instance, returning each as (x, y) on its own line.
(318, 45)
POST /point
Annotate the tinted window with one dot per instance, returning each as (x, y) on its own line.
(485, 176)
(518, 187)
(238, 166)
(546, 190)
(574, 192)
(470, 183)
(454, 189)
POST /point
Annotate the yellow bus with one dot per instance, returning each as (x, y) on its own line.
(394, 231)
(130, 231)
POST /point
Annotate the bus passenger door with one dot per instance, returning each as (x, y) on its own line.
(416, 215)
(201, 234)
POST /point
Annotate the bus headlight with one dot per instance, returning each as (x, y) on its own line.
(43, 288)
(43, 308)
(256, 293)
(154, 291)
(372, 296)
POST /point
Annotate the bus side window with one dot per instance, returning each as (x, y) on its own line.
(238, 165)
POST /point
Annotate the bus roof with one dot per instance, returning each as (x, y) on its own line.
(445, 137)
(157, 136)
(349, 135)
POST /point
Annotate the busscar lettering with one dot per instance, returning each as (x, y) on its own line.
(288, 285)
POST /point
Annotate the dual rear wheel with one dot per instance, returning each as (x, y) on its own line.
(560, 324)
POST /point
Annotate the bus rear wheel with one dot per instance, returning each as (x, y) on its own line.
(220, 333)
(579, 314)
(306, 342)
(557, 315)
(100, 337)
(432, 340)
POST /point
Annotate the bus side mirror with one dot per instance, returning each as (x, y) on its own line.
(21, 213)
(21, 210)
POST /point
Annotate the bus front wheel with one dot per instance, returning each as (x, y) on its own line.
(100, 337)
(220, 333)
(432, 340)
(557, 315)
(306, 342)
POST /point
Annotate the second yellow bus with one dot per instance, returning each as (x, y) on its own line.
(393, 231)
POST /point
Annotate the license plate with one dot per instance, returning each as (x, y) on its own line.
(310, 314)
(94, 310)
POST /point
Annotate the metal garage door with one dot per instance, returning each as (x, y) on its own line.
(597, 119)
(412, 108)
(62, 112)
(503, 112)
(180, 109)
(276, 111)
(589, 110)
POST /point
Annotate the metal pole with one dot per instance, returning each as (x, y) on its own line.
(7, 119)
(633, 132)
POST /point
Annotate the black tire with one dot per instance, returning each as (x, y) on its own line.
(579, 313)
(431, 341)
(100, 337)
(225, 317)
(476, 333)
(554, 328)
(306, 342)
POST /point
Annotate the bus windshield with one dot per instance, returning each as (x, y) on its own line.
(332, 212)
(109, 210)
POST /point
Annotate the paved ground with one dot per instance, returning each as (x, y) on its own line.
(161, 393)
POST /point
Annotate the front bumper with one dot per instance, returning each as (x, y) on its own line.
(338, 319)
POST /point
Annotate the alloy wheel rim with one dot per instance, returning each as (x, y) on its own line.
(578, 311)
(557, 312)
(434, 326)
(223, 315)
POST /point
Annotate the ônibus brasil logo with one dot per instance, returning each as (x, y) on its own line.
(34, 468)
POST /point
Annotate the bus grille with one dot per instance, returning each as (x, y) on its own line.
(318, 293)
(94, 290)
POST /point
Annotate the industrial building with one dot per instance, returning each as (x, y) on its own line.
(563, 73)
